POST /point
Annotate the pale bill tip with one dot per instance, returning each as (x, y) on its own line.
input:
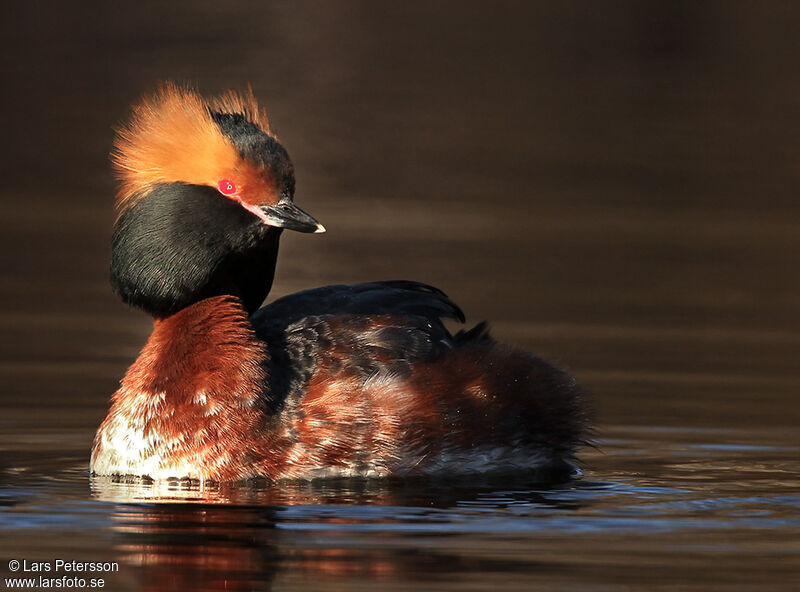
(320, 229)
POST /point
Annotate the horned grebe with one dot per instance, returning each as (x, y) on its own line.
(361, 380)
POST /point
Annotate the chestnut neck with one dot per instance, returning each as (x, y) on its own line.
(207, 353)
(195, 401)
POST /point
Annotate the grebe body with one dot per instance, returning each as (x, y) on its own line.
(340, 381)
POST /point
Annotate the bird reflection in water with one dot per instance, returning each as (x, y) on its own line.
(192, 536)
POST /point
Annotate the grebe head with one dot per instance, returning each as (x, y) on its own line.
(206, 189)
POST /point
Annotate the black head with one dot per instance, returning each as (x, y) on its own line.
(182, 243)
(206, 192)
(258, 148)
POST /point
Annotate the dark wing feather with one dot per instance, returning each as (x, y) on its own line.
(372, 298)
(363, 329)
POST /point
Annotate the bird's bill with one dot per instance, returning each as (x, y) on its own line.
(286, 214)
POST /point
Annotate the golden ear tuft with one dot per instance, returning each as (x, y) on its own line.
(172, 137)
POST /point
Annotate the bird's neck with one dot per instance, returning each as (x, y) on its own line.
(193, 398)
(250, 274)
(209, 345)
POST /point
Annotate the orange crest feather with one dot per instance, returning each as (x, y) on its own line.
(246, 104)
(172, 138)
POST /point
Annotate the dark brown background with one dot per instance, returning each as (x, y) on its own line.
(613, 185)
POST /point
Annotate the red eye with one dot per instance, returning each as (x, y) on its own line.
(226, 187)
